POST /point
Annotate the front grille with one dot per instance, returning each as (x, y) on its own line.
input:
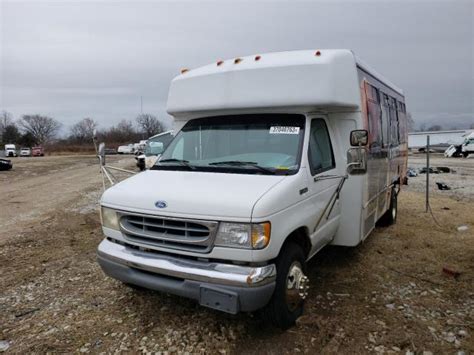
(183, 234)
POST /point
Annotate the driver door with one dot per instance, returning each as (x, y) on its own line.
(323, 181)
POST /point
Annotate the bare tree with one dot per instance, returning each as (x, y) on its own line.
(10, 134)
(149, 124)
(435, 127)
(471, 126)
(42, 128)
(123, 132)
(84, 129)
(126, 129)
(5, 121)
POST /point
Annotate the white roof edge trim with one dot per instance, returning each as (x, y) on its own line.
(376, 75)
(161, 134)
(466, 131)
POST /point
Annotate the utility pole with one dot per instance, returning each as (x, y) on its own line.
(141, 105)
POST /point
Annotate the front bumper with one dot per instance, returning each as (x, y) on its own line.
(226, 287)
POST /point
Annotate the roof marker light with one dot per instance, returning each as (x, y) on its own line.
(220, 62)
(184, 70)
(317, 54)
(237, 60)
(257, 58)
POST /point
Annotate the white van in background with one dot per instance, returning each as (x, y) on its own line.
(25, 152)
(154, 146)
(125, 149)
(275, 156)
(10, 150)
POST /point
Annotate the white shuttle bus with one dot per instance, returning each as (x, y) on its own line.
(275, 156)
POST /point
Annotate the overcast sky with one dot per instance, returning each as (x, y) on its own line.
(71, 60)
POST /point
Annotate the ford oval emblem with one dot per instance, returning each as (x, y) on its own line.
(161, 204)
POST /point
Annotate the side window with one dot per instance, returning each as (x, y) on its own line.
(320, 154)
(393, 122)
(385, 120)
(373, 111)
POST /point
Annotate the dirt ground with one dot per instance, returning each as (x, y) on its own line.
(388, 295)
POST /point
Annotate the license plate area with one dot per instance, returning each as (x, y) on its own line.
(222, 300)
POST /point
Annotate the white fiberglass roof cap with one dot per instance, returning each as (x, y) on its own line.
(311, 79)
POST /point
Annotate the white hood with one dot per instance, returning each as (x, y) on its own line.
(191, 194)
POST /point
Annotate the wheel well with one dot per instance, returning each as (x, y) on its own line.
(300, 237)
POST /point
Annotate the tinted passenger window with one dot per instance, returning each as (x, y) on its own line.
(320, 155)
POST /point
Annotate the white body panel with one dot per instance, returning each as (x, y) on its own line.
(191, 194)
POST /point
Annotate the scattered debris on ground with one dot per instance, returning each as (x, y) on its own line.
(442, 186)
(389, 295)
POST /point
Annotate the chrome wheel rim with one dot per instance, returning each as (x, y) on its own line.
(297, 285)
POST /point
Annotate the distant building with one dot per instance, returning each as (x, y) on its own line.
(439, 140)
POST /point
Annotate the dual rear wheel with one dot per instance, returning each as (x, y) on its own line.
(390, 216)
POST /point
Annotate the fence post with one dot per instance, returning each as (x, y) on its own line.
(427, 173)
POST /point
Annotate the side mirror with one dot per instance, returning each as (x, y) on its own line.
(156, 148)
(101, 153)
(356, 161)
(359, 137)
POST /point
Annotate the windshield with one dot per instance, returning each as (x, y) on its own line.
(156, 145)
(246, 144)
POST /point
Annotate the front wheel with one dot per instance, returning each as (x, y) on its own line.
(291, 288)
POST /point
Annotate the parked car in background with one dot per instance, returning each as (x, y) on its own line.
(10, 150)
(153, 148)
(5, 164)
(136, 148)
(25, 152)
(37, 151)
(125, 149)
(110, 151)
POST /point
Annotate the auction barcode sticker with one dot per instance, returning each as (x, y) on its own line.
(284, 130)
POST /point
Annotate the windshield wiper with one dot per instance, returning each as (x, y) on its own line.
(179, 161)
(243, 163)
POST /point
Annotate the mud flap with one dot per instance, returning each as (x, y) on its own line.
(225, 301)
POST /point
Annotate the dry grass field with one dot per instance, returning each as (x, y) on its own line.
(388, 295)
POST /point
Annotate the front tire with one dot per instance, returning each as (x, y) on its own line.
(287, 302)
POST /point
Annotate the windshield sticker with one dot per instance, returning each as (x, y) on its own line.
(284, 130)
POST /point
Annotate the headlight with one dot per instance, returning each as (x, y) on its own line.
(109, 218)
(243, 235)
